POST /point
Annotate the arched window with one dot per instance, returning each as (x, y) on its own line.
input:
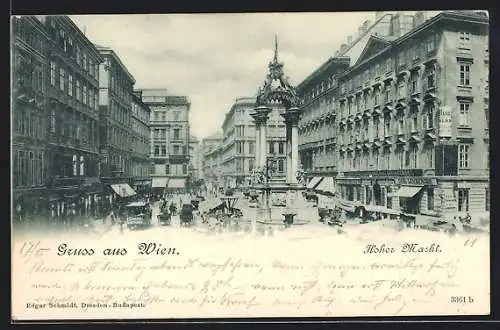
(82, 166)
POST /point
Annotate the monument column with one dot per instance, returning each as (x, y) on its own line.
(292, 120)
(262, 113)
(288, 163)
(256, 119)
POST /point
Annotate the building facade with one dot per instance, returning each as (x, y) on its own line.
(30, 156)
(169, 123)
(141, 143)
(72, 119)
(238, 143)
(211, 150)
(116, 86)
(411, 120)
(194, 159)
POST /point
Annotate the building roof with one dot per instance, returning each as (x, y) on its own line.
(238, 102)
(340, 58)
(106, 51)
(452, 16)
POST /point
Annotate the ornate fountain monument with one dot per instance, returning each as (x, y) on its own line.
(277, 90)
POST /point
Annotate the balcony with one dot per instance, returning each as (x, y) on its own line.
(464, 91)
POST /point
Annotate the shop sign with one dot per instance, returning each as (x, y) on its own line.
(416, 181)
(463, 185)
(445, 121)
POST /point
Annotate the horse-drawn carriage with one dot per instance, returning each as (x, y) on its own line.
(221, 213)
(186, 215)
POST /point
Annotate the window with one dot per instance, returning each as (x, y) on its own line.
(281, 165)
(430, 156)
(388, 67)
(75, 169)
(157, 150)
(176, 134)
(281, 148)
(250, 164)
(413, 159)
(463, 118)
(184, 169)
(428, 119)
(431, 81)
(402, 158)
(85, 62)
(414, 123)
(78, 90)
(176, 150)
(52, 73)
(465, 74)
(82, 166)
(52, 121)
(251, 148)
(163, 150)
(387, 125)
(84, 94)
(431, 44)
(430, 199)
(167, 168)
(464, 40)
(463, 200)
(401, 90)
(271, 147)
(376, 124)
(78, 56)
(401, 124)
(176, 115)
(463, 156)
(414, 84)
(61, 79)
(70, 85)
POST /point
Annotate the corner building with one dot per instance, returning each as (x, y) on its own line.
(169, 124)
(412, 120)
(238, 143)
(116, 86)
(141, 164)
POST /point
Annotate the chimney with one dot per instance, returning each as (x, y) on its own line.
(337, 53)
(361, 30)
(367, 24)
(343, 47)
(349, 39)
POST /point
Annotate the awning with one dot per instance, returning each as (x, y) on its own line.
(408, 191)
(159, 182)
(123, 189)
(326, 185)
(176, 183)
(381, 209)
(314, 182)
(347, 206)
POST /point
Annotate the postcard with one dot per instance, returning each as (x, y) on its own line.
(250, 165)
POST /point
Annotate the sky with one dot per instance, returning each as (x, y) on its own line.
(215, 58)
